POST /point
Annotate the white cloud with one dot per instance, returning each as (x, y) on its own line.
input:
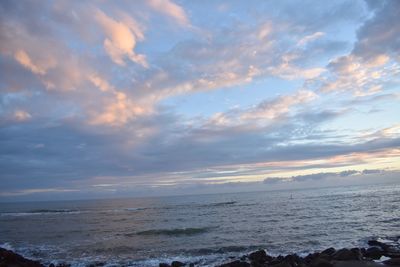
(23, 58)
(309, 38)
(22, 115)
(121, 39)
(171, 9)
(119, 111)
(265, 112)
(352, 74)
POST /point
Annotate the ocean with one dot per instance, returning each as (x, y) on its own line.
(203, 229)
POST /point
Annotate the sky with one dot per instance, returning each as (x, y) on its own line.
(134, 98)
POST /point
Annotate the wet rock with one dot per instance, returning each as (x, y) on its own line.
(376, 243)
(96, 264)
(312, 256)
(9, 258)
(236, 263)
(357, 253)
(292, 259)
(276, 260)
(393, 262)
(321, 263)
(177, 264)
(345, 254)
(164, 265)
(374, 253)
(259, 256)
(329, 251)
(392, 254)
(282, 264)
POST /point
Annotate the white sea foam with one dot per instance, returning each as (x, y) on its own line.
(7, 246)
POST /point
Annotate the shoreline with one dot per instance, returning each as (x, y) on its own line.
(377, 254)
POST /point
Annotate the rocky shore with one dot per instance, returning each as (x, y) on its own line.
(377, 254)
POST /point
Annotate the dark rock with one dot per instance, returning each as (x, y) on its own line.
(374, 253)
(164, 265)
(191, 264)
(297, 259)
(9, 258)
(236, 263)
(259, 256)
(177, 264)
(291, 259)
(321, 263)
(281, 264)
(310, 257)
(276, 260)
(392, 254)
(376, 243)
(97, 264)
(393, 262)
(329, 251)
(345, 254)
(280, 258)
(357, 253)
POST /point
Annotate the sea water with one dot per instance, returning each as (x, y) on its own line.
(203, 229)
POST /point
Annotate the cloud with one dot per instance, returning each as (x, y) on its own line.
(372, 171)
(109, 94)
(319, 176)
(22, 115)
(265, 112)
(121, 39)
(309, 38)
(373, 63)
(278, 107)
(119, 111)
(350, 73)
(171, 9)
(378, 35)
(23, 58)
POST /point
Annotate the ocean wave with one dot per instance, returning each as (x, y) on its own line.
(174, 232)
(67, 211)
(219, 204)
(41, 212)
(129, 209)
(7, 246)
(53, 211)
(390, 220)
